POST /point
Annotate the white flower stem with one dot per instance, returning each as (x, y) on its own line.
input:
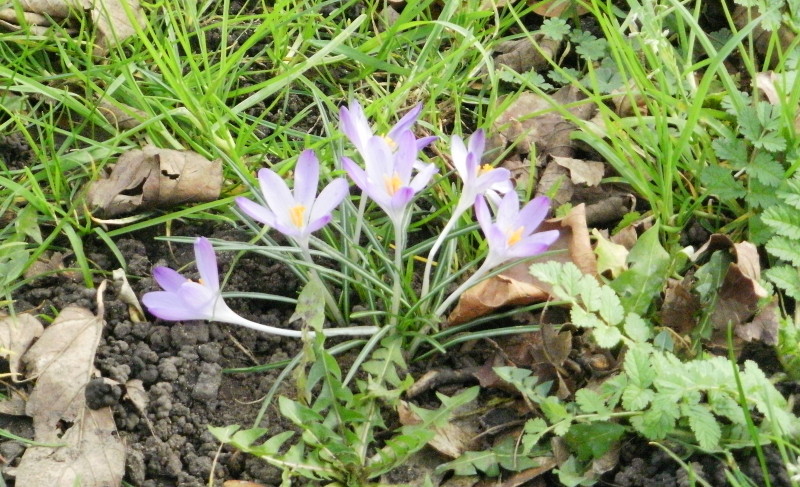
(426, 277)
(312, 273)
(328, 332)
(399, 247)
(473, 279)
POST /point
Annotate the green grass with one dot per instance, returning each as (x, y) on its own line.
(255, 88)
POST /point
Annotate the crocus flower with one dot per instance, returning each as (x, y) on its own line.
(387, 177)
(513, 233)
(184, 299)
(477, 179)
(356, 127)
(300, 213)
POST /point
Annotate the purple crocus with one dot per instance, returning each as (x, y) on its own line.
(387, 178)
(183, 299)
(513, 233)
(477, 178)
(353, 122)
(300, 213)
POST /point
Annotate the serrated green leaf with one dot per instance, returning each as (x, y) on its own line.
(589, 291)
(244, 438)
(555, 28)
(635, 398)
(533, 431)
(607, 336)
(732, 150)
(590, 401)
(658, 421)
(791, 192)
(564, 278)
(765, 169)
(272, 446)
(638, 367)
(584, 319)
(786, 278)
(704, 426)
(719, 181)
(554, 410)
(637, 328)
(783, 220)
(296, 412)
(224, 433)
(785, 249)
(593, 440)
(611, 309)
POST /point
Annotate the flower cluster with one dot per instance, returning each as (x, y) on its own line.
(392, 176)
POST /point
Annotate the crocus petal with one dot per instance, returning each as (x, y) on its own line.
(206, 261)
(255, 211)
(406, 122)
(276, 193)
(355, 172)
(401, 198)
(328, 199)
(306, 178)
(487, 180)
(533, 213)
(507, 211)
(164, 305)
(405, 156)
(423, 177)
(378, 161)
(533, 245)
(198, 296)
(424, 142)
(168, 279)
(315, 225)
(482, 214)
(477, 143)
(355, 125)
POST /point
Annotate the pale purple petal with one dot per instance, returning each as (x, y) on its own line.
(482, 214)
(378, 160)
(423, 177)
(405, 157)
(497, 238)
(276, 193)
(168, 279)
(355, 172)
(166, 305)
(329, 198)
(405, 123)
(255, 211)
(288, 229)
(424, 142)
(401, 198)
(459, 155)
(355, 125)
(306, 178)
(315, 225)
(497, 176)
(508, 211)
(477, 143)
(533, 213)
(533, 245)
(206, 261)
(198, 296)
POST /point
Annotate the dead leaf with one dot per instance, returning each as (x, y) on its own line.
(89, 452)
(763, 328)
(16, 335)
(515, 286)
(14, 405)
(110, 17)
(589, 173)
(557, 8)
(151, 177)
(120, 115)
(524, 55)
(680, 308)
(451, 439)
(524, 477)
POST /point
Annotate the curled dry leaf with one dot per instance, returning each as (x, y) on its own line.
(151, 177)
(126, 295)
(110, 17)
(16, 335)
(589, 173)
(452, 438)
(525, 55)
(515, 286)
(611, 257)
(776, 87)
(89, 452)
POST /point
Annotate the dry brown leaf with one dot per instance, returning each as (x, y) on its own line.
(524, 55)
(152, 177)
(120, 115)
(524, 477)
(16, 335)
(764, 39)
(89, 451)
(557, 8)
(515, 286)
(110, 17)
(14, 405)
(589, 173)
(126, 295)
(452, 439)
(763, 328)
(680, 308)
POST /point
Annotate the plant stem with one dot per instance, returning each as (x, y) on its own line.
(312, 273)
(473, 279)
(328, 332)
(426, 278)
(399, 246)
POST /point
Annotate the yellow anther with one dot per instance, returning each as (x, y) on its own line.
(485, 168)
(296, 213)
(392, 144)
(515, 236)
(392, 183)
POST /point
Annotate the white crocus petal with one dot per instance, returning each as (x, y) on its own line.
(306, 179)
(255, 211)
(206, 263)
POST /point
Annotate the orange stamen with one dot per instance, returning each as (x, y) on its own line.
(392, 183)
(296, 213)
(515, 236)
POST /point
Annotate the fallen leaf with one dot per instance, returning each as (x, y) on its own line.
(85, 448)
(16, 335)
(110, 17)
(557, 8)
(523, 55)
(120, 115)
(589, 173)
(763, 328)
(680, 308)
(151, 177)
(451, 439)
(515, 286)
